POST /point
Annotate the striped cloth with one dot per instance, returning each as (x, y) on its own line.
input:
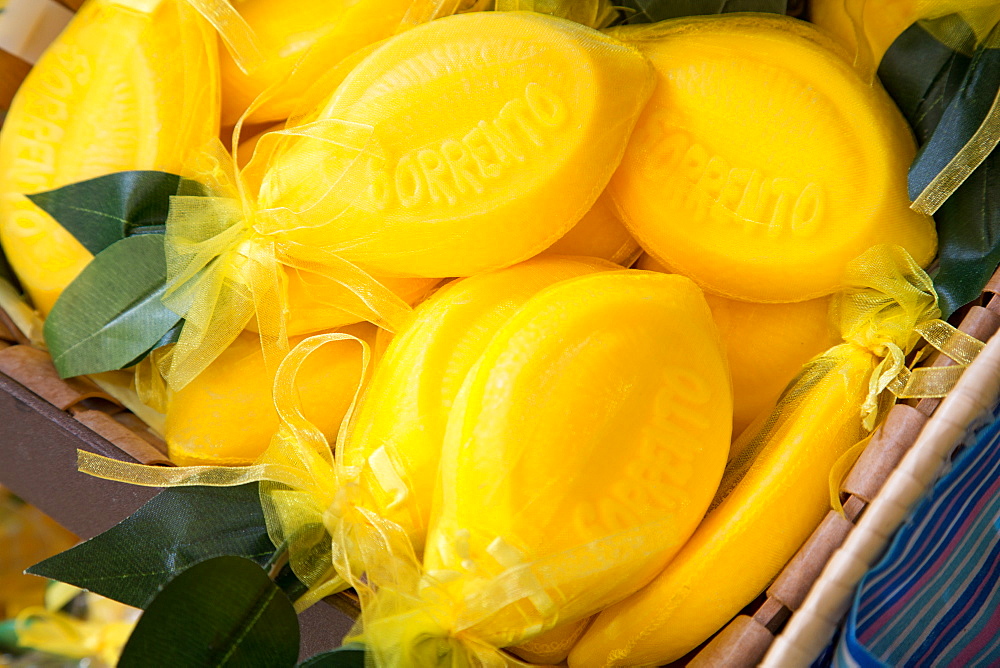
(934, 599)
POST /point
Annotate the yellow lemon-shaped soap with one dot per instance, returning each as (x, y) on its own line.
(119, 89)
(316, 302)
(742, 544)
(467, 144)
(605, 403)
(763, 164)
(600, 233)
(402, 419)
(226, 415)
(766, 345)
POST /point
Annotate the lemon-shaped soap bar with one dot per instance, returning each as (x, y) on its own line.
(600, 233)
(605, 406)
(742, 544)
(766, 345)
(467, 144)
(118, 90)
(763, 164)
(400, 424)
(226, 415)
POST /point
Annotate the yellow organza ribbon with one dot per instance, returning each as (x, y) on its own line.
(59, 634)
(979, 147)
(887, 304)
(225, 262)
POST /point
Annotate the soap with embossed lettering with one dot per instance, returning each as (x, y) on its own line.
(122, 88)
(466, 144)
(400, 423)
(763, 163)
(581, 452)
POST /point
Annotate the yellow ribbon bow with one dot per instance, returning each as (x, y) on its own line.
(225, 268)
(887, 304)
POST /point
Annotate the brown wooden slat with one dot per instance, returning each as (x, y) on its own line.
(38, 445)
(12, 73)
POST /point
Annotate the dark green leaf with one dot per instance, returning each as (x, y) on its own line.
(348, 656)
(107, 209)
(961, 119)
(941, 92)
(922, 75)
(222, 612)
(651, 11)
(969, 237)
(112, 312)
(177, 528)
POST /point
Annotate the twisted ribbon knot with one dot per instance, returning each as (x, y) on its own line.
(887, 306)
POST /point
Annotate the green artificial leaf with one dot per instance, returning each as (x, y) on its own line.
(112, 313)
(969, 237)
(222, 612)
(651, 11)
(942, 93)
(176, 529)
(960, 121)
(102, 211)
(351, 655)
(922, 75)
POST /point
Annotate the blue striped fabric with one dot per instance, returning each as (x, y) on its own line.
(934, 599)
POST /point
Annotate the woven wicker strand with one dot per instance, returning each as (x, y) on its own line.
(813, 625)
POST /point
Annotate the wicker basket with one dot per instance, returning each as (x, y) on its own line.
(801, 607)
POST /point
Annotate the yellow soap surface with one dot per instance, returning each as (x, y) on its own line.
(741, 545)
(763, 163)
(304, 38)
(226, 415)
(100, 100)
(463, 145)
(405, 410)
(766, 345)
(605, 403)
